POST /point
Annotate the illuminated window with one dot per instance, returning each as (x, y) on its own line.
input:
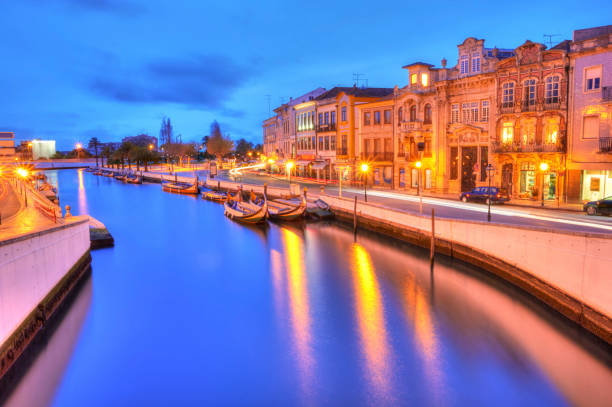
(413, 79)
(551, 130)
(484, 115)
(377, 117)
(528, 131)
(552, 89)
(424, 79)
(507, 132)
(508, 94)
(592, 78)
(366, 118)
(476, 63)
(464, 64)
(530, 91)
(343, 113)
(455, 113)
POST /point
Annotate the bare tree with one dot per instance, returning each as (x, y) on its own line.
(165, 132)
(217, 144)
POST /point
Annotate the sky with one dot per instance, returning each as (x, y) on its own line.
(75, 69)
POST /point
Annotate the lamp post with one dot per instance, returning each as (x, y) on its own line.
(364, 172)
(418, 165)
(489, 171)
(543, 168)
(79, 146)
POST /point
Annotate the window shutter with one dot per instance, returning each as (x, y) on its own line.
(590, 128)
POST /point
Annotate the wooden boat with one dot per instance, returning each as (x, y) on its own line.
(246, 212)
(89, 169)
(133, 179)
(214, 196)
(120, 177)
(319, 210)
(283, 209)
(108, 173)
(181, 187)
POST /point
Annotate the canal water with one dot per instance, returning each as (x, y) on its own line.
(192, 309)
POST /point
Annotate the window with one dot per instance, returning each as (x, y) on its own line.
(366, 118)
(464, 64)
(321, 143)
(320, 119)
(507, 132)
(530, 92)
(590, 127)
(528, 131)
(592, 77)
(413, 79)
(454, 166)
(344, 113)
(465, 112)
(387, 117)
(551, 130)
(414, 178)
(400, 114)
(326, 118)
(508, 94)
(484, 114)
(332, 143)
(552, 89)
(427, 151)
(333, 117)
(424, 79)
(476, 63)
(455, 113)
(484, 161)
(413, 113)
(527, 177)
(474, 111)
(377, 117)
(313, 143)
(327, 142)
(427, 114)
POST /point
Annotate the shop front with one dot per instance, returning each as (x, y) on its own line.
(596, 184)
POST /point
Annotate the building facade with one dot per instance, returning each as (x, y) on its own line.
(270, 137)
(7, 145)
(589, 164)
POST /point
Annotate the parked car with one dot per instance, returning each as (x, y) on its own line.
(481, 194)
(601, 207)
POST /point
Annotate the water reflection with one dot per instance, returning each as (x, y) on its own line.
(82, 194)
(370, 319)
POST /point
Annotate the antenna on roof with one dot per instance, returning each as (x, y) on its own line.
(269, 98)
(549, 39)
(358, 81)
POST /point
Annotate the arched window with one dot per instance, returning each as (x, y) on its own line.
(552, 89)
(508, 94)
(529, 92)
(427, 114)
(413, 113)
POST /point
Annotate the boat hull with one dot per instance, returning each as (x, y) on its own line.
(214, 196)
(179, 189)
(257, 215)
(295, 213)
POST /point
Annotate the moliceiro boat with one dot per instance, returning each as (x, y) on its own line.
(254, 211)
(179, 187)
(214, 196)
(284, 209)
(133, 179)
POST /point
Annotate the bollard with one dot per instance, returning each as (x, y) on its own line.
(432, 247)
(218, 185)
(305, 191)
(322, 189)
(355, 216)
(68, 214)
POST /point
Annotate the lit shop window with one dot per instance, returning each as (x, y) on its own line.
(507, 133)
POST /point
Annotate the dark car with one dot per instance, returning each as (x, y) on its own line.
(481, 194)
(601, 207)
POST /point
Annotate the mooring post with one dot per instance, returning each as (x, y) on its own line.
(355, 216)
(305, 191)
(265, 190)
(432, 247)
(175, 177)
(218, 185)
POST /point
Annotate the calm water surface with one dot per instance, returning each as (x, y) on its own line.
(190, 308)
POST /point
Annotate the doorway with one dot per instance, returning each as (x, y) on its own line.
(506, 179)
(469, 160)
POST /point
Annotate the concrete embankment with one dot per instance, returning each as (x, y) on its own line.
(569, 271)
(38, 270)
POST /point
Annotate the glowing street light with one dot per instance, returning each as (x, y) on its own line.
(289, 166)
(543, 168)
(150, 147)
(22, 172)
(364, 172)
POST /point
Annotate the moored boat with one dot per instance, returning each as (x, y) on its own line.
(283, 209)
(246, 212)
(108, 173)
(180, 187)
(133, 179)
(214, 196)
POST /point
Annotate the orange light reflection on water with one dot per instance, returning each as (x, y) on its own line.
(82, 195)
(370, 318)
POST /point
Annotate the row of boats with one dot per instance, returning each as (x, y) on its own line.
(254, 210)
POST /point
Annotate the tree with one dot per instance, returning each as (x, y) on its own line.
(243, 147)
(107, 152)
(166, 132)
(218, 144)
(94, 143)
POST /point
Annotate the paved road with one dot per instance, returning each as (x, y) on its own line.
(445, 208)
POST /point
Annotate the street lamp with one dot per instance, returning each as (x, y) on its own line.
(364, 172)
(489, 171)
(289, 166)
(150, 147)
(543, 168)
(79, 146)
(418, 165)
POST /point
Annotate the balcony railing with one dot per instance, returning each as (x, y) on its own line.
(380, 156)
(506, 107)
(551, 104)
(605, 144)
(606, 94)
(342, 151)
(411, 125)
(326, 127)
(528, 105)
(557, 147)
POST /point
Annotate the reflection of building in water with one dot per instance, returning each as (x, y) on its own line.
(297, 288)
(371, 320)
(39, 385)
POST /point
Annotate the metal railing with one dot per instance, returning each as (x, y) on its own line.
(605, 144)
(409, 125)
(506, 107)
(326, 127)
(499, 147)
(342, 151)
(377, 156)
(606, 94)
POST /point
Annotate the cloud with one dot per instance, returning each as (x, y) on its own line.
(202, 82)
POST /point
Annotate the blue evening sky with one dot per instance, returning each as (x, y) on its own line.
(73, 69)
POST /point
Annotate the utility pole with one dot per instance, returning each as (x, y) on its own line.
(549, 39)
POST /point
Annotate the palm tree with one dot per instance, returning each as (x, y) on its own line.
(94, 143)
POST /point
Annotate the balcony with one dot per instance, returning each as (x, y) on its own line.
(326, 127)
(605, 144)
(558, 147)
(342, 151)
(411, 125)
(528, 106)
(606, 94)
(380, 156)
(552, 104)
(506, 107)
